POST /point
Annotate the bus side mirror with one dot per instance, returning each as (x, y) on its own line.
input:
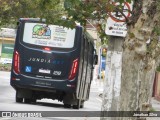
(95, 59)
(17, 23)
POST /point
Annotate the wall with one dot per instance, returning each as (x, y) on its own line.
(157, 86)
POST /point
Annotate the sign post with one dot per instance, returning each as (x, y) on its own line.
(116, 28)
(116, 25)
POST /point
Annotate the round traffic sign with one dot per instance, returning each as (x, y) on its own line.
(117, 15)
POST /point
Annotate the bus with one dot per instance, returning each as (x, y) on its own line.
(51, 61)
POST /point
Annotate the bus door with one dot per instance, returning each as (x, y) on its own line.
(90, 68)
(83, 83)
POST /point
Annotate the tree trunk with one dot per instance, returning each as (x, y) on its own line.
(139, 63)
(140, 50)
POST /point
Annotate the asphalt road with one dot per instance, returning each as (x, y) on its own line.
(7, 103)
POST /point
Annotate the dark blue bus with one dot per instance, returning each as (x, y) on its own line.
(52, 62)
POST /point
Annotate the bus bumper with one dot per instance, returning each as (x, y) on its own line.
(41, 84)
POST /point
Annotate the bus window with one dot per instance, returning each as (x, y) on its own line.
(51, 35)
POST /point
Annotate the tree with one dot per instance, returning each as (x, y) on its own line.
(141, 47)
(12, 10)
(140, 51)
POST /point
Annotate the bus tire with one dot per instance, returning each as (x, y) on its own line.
(33, 100)
(76, 107)
(27, 100)
(18, 99)
(67, 105)
(82, 105)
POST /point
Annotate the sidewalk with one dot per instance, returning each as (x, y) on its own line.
(155, 104)
(156, 107)
(99, 84)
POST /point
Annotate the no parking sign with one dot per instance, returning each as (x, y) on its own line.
(116, 25)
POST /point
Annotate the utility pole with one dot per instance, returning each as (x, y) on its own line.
(116, 28)
(112, 84)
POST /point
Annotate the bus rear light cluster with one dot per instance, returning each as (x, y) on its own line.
(47, 49)
(13, 78)
(16, 62)
(74, 69)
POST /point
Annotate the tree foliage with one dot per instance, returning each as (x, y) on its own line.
(12, 10)
(53, 10)
(135, 46)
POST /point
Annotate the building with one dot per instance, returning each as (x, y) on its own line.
(156, 86)
(7, 39)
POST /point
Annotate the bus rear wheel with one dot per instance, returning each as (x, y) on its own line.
(75, 106)
(80, 104)
(67, 105)
(33, 100)
(27, 100)
(18, 99)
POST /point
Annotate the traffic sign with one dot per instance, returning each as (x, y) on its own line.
(116, 22)
(117, 16)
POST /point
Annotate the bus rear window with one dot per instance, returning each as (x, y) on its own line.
(51, 35)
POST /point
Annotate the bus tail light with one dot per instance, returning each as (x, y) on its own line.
(73, 69)
(16, 62)
(47, 48)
